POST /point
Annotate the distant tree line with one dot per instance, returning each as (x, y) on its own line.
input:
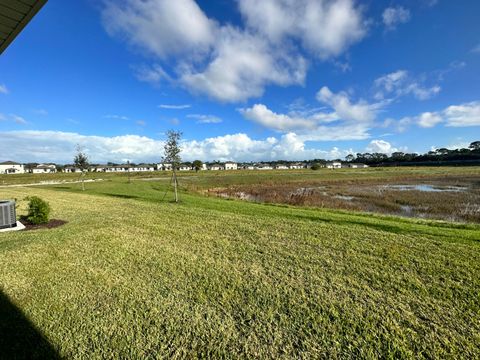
(442, 156)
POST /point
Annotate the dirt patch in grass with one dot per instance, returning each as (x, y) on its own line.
(50, 225)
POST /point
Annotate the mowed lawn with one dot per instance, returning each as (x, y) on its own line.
(131, 276)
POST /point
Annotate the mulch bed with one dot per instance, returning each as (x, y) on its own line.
(50, 225)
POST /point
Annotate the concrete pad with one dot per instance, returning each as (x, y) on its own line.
(19, 226)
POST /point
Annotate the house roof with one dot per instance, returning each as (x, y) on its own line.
(10, 163)
(14, 16)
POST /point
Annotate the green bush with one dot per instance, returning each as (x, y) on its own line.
(315, 166)
(38, 210)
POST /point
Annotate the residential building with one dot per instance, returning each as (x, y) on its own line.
(296, 166)
(11, 167)
(164, 167)
(71, 169)
(281, 167)
(229, 165)
(216, 167)
(44, 169)
(334, 165)
(185, 167)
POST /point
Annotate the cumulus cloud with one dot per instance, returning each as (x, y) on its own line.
(262, 115)
(380, 146)
(242, 66)
(3, 89)
(428, 119)
(205, 119)
(401, 83)
(326, 28)
(160, 27)
(394, 16)
(234, 63)
(345, 109)
(57, 146)
(464, 115)
(345, 120)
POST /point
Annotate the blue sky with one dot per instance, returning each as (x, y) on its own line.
(243, 80)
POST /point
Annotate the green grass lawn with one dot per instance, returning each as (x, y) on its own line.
(131, 276)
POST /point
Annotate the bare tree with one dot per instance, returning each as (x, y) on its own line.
(81, 162)
(172, 155)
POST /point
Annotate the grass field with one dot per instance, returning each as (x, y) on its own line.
(132, 276)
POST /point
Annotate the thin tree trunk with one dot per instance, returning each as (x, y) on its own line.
(175, 184)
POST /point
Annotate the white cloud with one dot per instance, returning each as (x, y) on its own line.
(428, 120)
(19, 120)
(401, 83)
(346, 120)
(345, 109)
(161, 27)
(153, 74)
(57, 146)
(380, 146)
(262, 115)
(230, 63)
(14, 118)
(205, 119)
(476, 49)
(326, 28)
(394, 16)
(141, 123)
(464, 115)
(3, 89)
(174, 107)
(116, 117)
(242, 65)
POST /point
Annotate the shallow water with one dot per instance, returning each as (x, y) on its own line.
(425, 188)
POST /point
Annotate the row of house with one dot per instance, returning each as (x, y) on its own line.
(11, 167)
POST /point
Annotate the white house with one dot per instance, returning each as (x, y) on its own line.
(117, 168)
(44, 169)
(296, 166)
(281, 167)
(11, 167)
(229, 165)
(216, 167)
(164, 167)
(142, 168)
(358, 166)
(71, 169)
(249, 167)
(264, 167)
(334, 165)
(184, 167)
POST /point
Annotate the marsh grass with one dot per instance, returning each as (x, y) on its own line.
(372, 195)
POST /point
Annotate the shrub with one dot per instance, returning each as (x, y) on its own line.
(315, 167)
(38, 210)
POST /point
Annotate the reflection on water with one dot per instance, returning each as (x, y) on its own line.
(425, 188)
